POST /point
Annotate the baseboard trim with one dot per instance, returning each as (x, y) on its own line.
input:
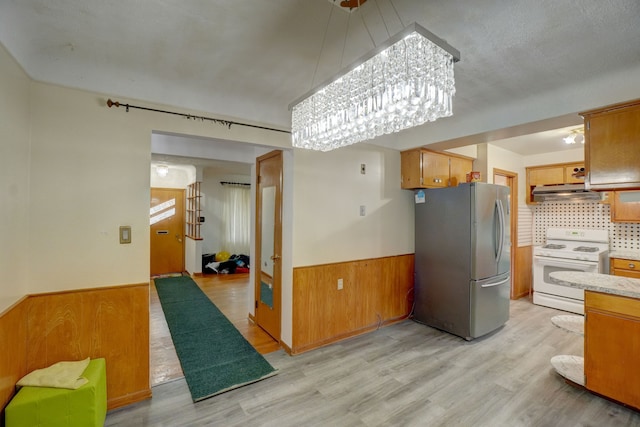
(286, 348)
(102, 288)
(521, 295)
(370, 328)
(129, 399)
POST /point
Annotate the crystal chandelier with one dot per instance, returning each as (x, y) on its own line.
(404, 82)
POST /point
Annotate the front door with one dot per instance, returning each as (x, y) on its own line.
(167, 231)
(268, 242)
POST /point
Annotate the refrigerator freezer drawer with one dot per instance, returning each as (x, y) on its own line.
(489, 304)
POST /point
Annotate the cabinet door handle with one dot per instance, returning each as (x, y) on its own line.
(632, 265)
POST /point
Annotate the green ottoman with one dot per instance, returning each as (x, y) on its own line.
(44, 406)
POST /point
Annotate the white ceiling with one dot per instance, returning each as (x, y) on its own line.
(220, 167)
(540, 142)
(248, 60)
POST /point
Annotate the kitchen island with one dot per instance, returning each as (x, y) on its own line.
(603, 283)
(611, 334)
(625, 254)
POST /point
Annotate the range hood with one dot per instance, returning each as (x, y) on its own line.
(563, 192)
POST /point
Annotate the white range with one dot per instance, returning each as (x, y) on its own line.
(568, 249)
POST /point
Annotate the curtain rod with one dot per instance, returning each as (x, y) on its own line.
(226, 123)
(234, 183)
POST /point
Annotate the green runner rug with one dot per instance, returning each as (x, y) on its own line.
(214, 356)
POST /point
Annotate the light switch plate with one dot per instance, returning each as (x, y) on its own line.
(125, 234)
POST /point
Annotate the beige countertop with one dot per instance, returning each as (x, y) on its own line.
(616, 285)
(625, 253)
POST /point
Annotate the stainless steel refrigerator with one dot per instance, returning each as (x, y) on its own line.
(462, 261)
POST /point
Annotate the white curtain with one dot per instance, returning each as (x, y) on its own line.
(236, 218)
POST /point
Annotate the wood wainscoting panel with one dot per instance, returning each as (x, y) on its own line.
(13, 349)
(523, 272)
(112, 323)
(375, 292)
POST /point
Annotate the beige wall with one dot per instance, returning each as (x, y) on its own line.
(90, 175)
(74, 171)
(566, 156)
(499, 158)
(86, 173)
(14, 180)
(328, 192)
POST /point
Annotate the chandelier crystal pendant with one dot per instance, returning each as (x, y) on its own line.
(405, 82)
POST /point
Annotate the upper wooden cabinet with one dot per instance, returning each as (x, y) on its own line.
(612, 146)
(555, 174)
(423, 168)
(625, 206)
(459, 167)
(545, 175)
(435, 169)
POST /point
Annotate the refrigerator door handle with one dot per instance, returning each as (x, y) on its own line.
(490, 285)
(500, 231)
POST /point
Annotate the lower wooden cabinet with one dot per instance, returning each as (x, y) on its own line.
(625, 267)
(612, 347)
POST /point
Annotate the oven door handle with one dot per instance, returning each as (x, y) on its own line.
(563, 262)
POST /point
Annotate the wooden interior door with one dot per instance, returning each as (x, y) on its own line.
(166, 217)
(268, 242)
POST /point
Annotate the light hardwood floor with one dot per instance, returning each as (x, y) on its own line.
(229, 293)
(405, 374)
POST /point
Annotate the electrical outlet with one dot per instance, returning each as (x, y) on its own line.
(363, 210)
(340, 284)
(363, 168)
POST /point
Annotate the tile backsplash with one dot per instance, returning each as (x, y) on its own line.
(591, 215)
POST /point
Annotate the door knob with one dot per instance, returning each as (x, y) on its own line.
(178, 238)
(275, 257)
